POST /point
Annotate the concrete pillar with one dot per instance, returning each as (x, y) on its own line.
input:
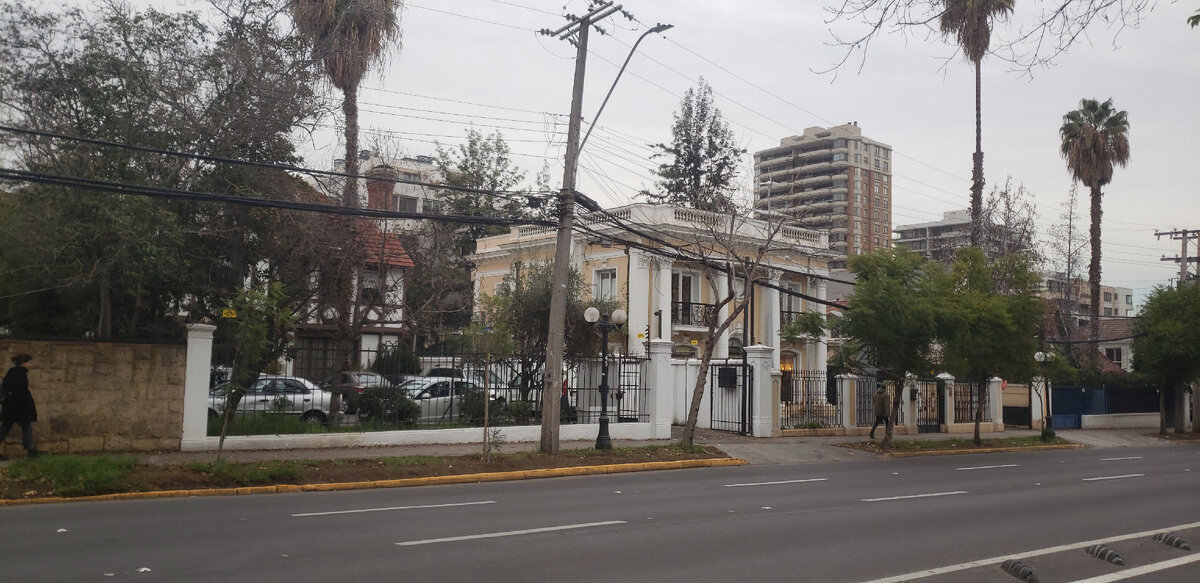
(770, 318)
(638, 299)
(846, 389)
(763, 406)
(996, 402)
(1037, 403)
(664, 299)
(660, 382)
(195, 381)
(721, 350)
(948, 396)
(909, 402)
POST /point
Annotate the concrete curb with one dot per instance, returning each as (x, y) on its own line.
(399, 483)
(936, 452)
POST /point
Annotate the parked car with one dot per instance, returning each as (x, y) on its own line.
(440, 398)
(278, 394)
(351, 384)
(475, 375)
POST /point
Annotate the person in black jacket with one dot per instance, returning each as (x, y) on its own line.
(18, 407)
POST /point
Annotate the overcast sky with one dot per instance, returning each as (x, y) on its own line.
(480, 62)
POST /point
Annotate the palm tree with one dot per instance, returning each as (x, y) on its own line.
(1094, 138)
(348, 37)
(970, 23)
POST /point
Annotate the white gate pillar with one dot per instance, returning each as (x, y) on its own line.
(195, 381)
(1037, 403)
(660, 383)
(908, 403)
(846, 390)
(996, 403)
(763, 404)
(948, 396)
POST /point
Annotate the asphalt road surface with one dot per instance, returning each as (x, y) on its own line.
(932, 519)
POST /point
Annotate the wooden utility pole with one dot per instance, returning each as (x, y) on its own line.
(555, 339)
(1183, 259)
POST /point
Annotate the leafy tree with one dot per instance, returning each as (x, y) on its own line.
(259, 334)
(438, 289)
(348, 37)
(989, 322)
(482, 163)
(970, 23)
(121, 265)
(1095, 137)
(1194, 19)
(703, 158)
(897, 312)
(1167, 347)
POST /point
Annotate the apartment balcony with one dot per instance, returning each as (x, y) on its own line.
(694, 314)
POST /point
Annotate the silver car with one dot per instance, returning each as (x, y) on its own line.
(278, 394)
(440, 398)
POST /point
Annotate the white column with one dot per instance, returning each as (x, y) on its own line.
(660, 383)
(721, 350)
(948, 396)
(996, 403)
(758, 357)
(664, 299)
(909, 404)
(195, 381)
(770, 319)
(822, 349)
(1037, 403)
(846, 388)
(638, 289)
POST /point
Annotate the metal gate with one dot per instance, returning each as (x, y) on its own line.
(931, 406)
(808, 399)
(730, 399)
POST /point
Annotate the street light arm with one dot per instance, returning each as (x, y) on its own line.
(592, 126)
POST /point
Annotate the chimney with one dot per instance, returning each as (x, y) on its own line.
(380, 187)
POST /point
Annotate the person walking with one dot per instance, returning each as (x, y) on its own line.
(18, 407)
(883, 407)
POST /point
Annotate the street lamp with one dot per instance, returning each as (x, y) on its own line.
(607, 322)
(1048, 425)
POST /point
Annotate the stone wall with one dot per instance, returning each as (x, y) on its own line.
(100, 396)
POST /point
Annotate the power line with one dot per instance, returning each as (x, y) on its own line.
(174, 194)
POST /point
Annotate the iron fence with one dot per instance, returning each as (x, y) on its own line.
(388, 389)
(809, 400)
(967, 396)
(864, 401)
(730, 397)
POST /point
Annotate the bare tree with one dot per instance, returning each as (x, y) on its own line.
(1054, 26)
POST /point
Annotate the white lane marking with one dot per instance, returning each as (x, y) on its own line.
(1027, 554)
(360, 510)
(914, 496)
(428, 541)
(1142, 570)
(987, 467)
(774, 483)
(1113, 477)
(1115, 459)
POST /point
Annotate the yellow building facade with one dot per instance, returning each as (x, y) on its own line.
(646, 257)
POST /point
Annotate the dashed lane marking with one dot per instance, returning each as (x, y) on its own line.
(361, 510)
(914, 496)
(1117, 459)
(988, 467)
(429, 541)
(1121, 477)
(775, 483)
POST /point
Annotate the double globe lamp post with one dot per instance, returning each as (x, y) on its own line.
(606, 322)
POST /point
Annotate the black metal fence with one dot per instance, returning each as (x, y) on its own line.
(864, 401)
(809, 400)
(730, 397)
(388, 389)
(930, 405)
(967, 397)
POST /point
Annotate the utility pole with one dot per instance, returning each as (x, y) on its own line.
(555, 339)
(1182, 259)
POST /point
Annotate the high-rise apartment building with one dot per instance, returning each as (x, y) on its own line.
(830, 179)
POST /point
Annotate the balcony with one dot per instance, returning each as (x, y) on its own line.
(692, 313)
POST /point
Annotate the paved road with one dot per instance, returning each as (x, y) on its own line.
(775, 522)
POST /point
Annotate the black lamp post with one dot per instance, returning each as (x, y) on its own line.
(1048, 425)
(607, 322)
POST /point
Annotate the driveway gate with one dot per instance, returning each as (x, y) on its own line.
(730, 399)
(931, 406)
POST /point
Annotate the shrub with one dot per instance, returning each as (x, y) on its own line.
(387, 404)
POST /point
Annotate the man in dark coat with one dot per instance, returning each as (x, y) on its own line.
(18, 407)
(883, 408)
